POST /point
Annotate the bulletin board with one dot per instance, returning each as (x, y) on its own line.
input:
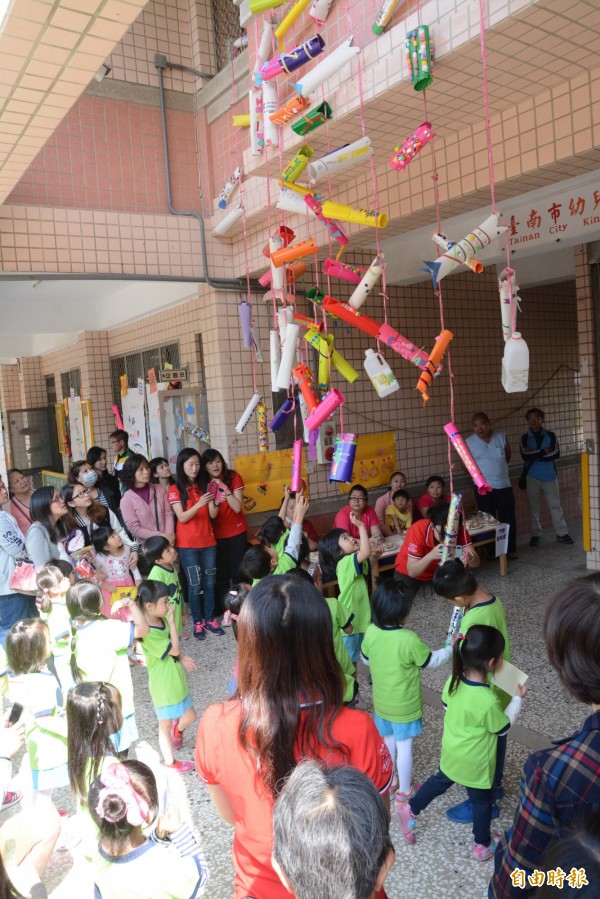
(134, 420)
(76, 428)
(264, 476)
(375, 461)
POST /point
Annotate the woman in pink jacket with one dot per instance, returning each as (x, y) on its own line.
(144, 506)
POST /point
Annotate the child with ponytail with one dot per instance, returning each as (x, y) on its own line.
(473, 722)
(99, 650)
(52, 584)
(169, 863)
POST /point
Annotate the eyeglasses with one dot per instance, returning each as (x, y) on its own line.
(83, 492)
(57, 499)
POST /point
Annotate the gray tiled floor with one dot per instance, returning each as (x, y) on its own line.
(439, 865)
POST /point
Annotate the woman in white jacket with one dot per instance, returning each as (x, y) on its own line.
(13, 606)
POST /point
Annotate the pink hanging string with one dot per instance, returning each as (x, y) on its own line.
(438, 293)
(488, 132)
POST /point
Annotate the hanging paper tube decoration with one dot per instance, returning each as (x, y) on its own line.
(277, 272)
(449, 552)
(332, 63)
(368, 283)
(288, 62)
(295, 251)
(382, 332)
(228, 222)
(230, 186)
(247, 413)
(266, 41)
(280, 417)
(336, 269)
(435, 357)
(283, 236)
(245, 323)
(296, 166)
(385, 14)
(340, 160)
(275, 354)
(288, 357)
(313, 119)
(241, 121)
(344, 454)
(332, 401)
(296, 483)
(270, 132)
(306, 383)
(288, 20)
(256, 127)
(418, 57)
(467, 248)
(293, 271)
(256, 342)
(442, 241)
(305, 322)
(350, 214)
(320, 10)
(334, 228)
(406, 152)
(324, 345)
(289, 110)
(507, 282)
(467, 459)
(291, 201)
(285, 317)
(263, 432)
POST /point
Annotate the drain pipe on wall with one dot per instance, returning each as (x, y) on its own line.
(229, 284)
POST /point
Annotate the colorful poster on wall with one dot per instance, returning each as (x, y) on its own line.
(134, 420)
(264, 476)
(156, 437)
(76, 428)
(375, 461)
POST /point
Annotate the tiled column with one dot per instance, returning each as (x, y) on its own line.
(589, 389)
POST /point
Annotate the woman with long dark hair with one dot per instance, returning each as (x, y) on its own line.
(144, 506)
(230, 525)
(196, 543)
(288, 707)
(45, 537)
(85, 515)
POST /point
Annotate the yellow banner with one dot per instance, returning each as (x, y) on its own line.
(374, 462)
(264, 476)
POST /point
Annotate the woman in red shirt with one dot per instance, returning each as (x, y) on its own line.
(288, 707)
(230, 525)
(195, 541)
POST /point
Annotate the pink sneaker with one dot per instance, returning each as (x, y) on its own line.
(11, 798)
(483, 853)
(406, 820)
(176, 735)
(181, 767)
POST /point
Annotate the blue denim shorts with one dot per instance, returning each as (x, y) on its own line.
(353, 642)
(401, 731)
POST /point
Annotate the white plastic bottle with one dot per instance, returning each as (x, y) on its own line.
(515, 364)
(381, 375)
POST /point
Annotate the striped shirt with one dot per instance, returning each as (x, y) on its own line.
(556, 786)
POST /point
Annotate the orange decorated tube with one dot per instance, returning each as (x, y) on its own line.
(296, 251)
(303, 376)
(435, 357)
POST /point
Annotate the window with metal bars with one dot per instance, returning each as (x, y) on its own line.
(227, 29)
(71, 381)
(136, 365)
